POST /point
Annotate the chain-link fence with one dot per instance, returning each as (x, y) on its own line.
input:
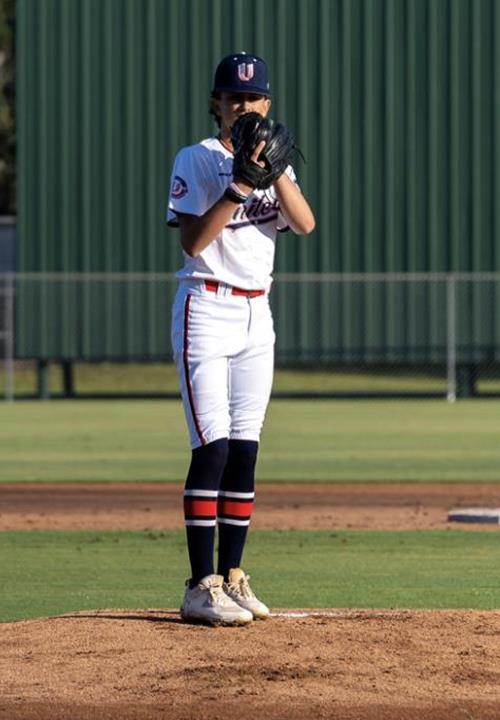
(336, 333)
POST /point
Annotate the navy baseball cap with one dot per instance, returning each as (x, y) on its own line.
(242, 72)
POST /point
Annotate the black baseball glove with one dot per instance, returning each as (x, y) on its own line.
(247, 132)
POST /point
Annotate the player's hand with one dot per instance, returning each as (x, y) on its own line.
(245, 187)
(256, 154)
(249, 135)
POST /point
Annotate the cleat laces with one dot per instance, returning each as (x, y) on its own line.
(242, 587)
(218, 596)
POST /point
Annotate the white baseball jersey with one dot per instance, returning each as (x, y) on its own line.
(223, 342)
(242, 255)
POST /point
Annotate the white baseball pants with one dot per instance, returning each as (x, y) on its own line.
(224, 353)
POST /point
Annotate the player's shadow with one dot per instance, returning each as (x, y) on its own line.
(152, 618)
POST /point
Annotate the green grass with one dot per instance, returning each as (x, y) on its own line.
(323, 440)
(46, 573)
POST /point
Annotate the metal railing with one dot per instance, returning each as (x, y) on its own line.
(329, 319)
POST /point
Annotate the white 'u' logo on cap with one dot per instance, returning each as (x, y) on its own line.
(245, 72)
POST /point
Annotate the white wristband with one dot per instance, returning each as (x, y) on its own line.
(234, 187)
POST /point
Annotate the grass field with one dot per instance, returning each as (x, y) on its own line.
(47, 573)
(324, 440)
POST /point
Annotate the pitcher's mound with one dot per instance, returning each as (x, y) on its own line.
(350, 665)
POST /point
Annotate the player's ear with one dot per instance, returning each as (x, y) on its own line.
(268, 104)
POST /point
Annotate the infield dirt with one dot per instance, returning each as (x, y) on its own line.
(306, 506)
(352, 665)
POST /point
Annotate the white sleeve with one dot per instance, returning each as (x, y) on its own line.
(282, 224)
(191, 189)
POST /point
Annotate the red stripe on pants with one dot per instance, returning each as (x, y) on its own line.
(186, 371)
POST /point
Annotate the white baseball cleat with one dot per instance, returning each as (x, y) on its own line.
(239, 590)
(208, 603)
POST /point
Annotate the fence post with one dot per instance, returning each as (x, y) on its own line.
(7, 334)
(451, 338)
(42, 379)
(68, 379)
(9, 380)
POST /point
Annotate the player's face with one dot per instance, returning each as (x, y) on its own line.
(231, 105)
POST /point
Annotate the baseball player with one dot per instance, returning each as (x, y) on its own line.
(228, 205)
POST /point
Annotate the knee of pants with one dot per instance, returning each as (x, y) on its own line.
(247, 426)
(205, 408)
(247, 413)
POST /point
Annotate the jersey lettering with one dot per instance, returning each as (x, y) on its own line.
(258, 208)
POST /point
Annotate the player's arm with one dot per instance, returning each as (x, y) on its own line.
(294, 207)
(198, 231)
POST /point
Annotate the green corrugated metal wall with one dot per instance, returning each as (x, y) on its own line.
(395, 104)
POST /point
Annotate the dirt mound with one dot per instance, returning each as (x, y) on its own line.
(382, 665)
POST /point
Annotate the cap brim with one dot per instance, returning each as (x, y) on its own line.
(248, 89)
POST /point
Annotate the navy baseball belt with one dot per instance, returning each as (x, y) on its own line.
(213, 286)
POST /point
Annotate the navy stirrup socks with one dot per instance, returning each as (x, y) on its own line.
(200, 505)
(235, 503)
